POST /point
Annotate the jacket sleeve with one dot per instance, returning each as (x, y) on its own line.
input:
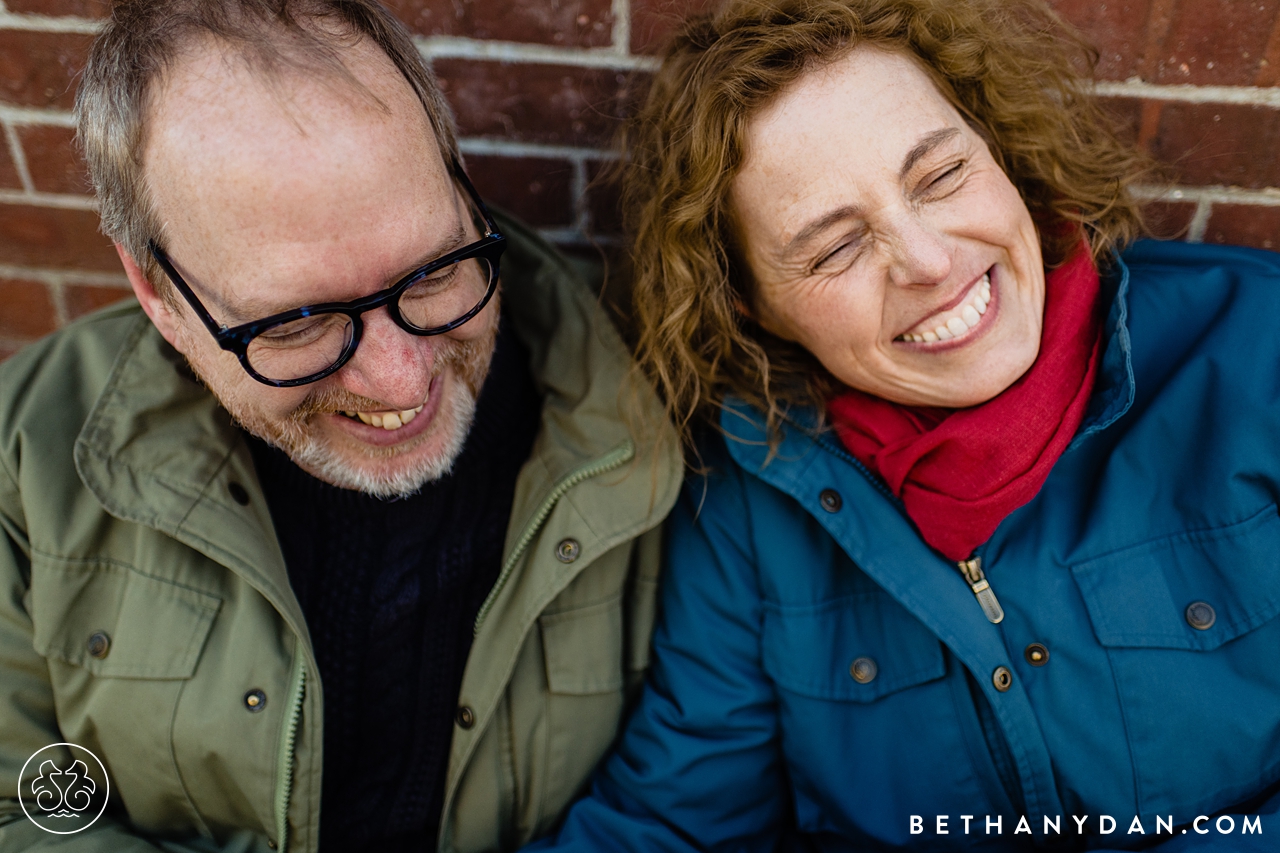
(27, 718)
(698, 766)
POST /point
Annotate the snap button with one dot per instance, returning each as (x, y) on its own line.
(99, 644)
(863, 670)
(1002, 678)
(1200, 615)
(830, 500)
(271, 844)
(1036, 654)
(255, 700)
(466, 717)
(567, 551)
(238, 493)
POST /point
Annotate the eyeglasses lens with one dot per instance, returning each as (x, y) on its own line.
(445, 295)
(312, 345)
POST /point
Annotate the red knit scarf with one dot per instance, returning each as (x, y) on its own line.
(959, 472)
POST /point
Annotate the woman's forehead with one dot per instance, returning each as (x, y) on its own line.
(842, 128)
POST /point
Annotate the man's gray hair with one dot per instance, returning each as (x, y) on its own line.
(143, 38)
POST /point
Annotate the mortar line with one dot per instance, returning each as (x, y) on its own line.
(19, 116)
(457, 47)
(1214, 194)
(48, 23)
(58, 276)
(19, 158)
(1199, 221)
(56, 200)
(1135, 87)
(621, 27)
(481, 145)
(58, 296)
(578, 187)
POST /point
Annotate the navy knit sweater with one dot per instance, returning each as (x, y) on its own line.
(390, 590)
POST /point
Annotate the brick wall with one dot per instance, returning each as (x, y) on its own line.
(538, 86)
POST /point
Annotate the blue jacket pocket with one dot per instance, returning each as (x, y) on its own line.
(1138, 597)
(811, 650)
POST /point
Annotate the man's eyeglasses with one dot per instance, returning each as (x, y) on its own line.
(309, 343)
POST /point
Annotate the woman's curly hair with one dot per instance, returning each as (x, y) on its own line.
(1012, 68)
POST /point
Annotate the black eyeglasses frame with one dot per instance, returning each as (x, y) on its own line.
(236, 339)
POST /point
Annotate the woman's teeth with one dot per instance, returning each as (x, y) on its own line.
(964, 318)
(387, 420)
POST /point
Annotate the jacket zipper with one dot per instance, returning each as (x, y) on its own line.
(615, 458)
(285, 771)
(972, 572)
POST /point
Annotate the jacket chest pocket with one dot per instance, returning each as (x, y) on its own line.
(1190, 631)
(121, 645)
(857, 648)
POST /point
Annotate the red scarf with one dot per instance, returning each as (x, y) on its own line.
(959, 472)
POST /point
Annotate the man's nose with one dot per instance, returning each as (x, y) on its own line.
(919, 253)
(390, 365)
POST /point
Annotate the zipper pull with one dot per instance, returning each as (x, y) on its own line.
(972, 571)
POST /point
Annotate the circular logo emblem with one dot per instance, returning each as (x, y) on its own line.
(63, 788)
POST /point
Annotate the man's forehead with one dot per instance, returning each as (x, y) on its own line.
(266, 180)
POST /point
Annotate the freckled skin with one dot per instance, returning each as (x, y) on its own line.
(277, 194)
(908, 245)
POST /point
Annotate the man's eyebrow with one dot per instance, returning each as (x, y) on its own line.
(926, 145)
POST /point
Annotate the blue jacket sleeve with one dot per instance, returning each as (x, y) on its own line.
(698, 766)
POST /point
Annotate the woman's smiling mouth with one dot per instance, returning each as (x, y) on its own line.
(954, 322)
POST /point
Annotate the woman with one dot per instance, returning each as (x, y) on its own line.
(985, 551)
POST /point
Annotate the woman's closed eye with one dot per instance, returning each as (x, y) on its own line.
(941, 182)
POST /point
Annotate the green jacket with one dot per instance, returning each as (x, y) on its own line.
(119, 515)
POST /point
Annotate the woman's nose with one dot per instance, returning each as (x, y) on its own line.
(920, 254)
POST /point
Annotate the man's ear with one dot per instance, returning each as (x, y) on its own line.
(152, 303)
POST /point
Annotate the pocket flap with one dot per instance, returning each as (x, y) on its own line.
(1138, 596)
(583, 648)
(154, 628)
(811, 650)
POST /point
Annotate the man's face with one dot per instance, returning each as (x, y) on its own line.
(299, 190)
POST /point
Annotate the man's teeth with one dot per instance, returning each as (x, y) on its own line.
(387, 420)
(964, 318)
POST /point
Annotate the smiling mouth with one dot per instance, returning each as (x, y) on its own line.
(390, 421)
(956, 321)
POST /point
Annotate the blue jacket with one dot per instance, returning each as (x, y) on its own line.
(753, 733)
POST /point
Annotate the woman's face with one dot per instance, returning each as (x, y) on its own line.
(883, 237)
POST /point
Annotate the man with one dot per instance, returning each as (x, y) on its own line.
(342, 545)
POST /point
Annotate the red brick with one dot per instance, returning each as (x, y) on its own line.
(9, 178)
(602, 198)
(1269, 67)
(551, 104)
(1127, 113)
(1244, 225)
(1117, 28)
(1220, 143)
(53, 162)
(81, 300)
(40, 69)
(1213, 42)
(652, 21)
(572, 23)
(28, 310)
(1169, 220)
(48, 236)
(78, 8)
(537, 190)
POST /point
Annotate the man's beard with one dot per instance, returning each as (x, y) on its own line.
(294, 434)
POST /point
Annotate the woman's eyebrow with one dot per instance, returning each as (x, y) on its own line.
(816, 227)
(929, 142)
